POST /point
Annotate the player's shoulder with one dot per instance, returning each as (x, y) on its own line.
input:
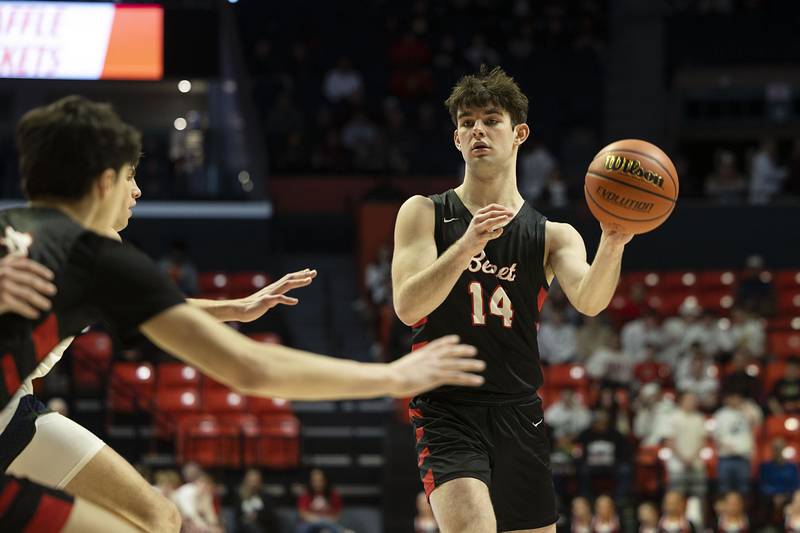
(560, 230)
(417, 207)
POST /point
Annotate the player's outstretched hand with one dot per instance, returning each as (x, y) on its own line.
(440, 362)
(487, 224)
(254, 306)
(25, 286)
(615, 234)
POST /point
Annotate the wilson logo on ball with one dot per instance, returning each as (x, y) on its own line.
(634, 168)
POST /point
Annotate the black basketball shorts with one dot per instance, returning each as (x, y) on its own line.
(505, 446)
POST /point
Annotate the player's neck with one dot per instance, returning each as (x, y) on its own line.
(478, 191)
(81, 211)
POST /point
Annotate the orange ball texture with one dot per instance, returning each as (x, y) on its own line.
(631, 184)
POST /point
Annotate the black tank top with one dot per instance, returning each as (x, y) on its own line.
(494, 305)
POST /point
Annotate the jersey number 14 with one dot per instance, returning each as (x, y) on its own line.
(499, 305)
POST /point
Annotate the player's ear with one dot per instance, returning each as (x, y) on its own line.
(456, 140)
(105, 182)
(521, 133)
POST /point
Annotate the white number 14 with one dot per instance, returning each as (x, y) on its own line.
(499, 305)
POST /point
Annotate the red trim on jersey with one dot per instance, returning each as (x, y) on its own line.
(10, 373)
(421, 322)
(418, 345)
(428, 483)
(51, 515)
(45, 336)
(414, 413)
(9, 493)
(424, 454)
(541, 298)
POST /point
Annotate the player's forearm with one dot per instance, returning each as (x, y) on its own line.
(298, 375)
(222, 310)
(422, 293)
(600, 282)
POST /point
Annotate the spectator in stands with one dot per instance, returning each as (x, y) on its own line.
(557, 339)
(191, 472)
(674, 519)
(778, 479)
(785, 395)
(694, 354)
(562, 463)
(255, 510)
(536, 166)
(746, 331)
(647, 515)
(648, 370)
(195, 501)
(692, 326)
(687, 436)
(180, 268)
(725, 185)
(700, 379)
(755, 292)
(741, 376)
(580, 516)
(605, 456)
(605, 516)
(766, 176)
(167, 482)
(567, 417)
(343, 82)
(592, 334)
(424, 522)
(610, 365)
(732, 517)
(641, 335)
(792, 514)
(320, 506)
(653, 414)
(735, 423)
(616, 403)
(378, 277)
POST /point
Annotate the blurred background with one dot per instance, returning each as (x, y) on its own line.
(279, 136)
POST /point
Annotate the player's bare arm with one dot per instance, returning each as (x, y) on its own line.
(257, 304)
(589, 288)
(421, 281)
(270, 370)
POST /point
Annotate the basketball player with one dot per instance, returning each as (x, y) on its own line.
(478, 260)
(74, 159)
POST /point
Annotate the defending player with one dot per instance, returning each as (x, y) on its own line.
(478, 261)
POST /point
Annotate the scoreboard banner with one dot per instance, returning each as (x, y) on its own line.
(81, 41)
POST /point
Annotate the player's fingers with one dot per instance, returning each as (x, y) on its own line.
(28, 296)
(21, 277)
(456, 350)
(292, 284)
(15, 305)
(34, 267)
(464, 365)
(461, 378)
(490, 224)
(492, 207)
(286, 300)
(442, 341)
(490, 214)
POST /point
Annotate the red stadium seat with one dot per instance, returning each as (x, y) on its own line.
(789, 302)
(178, 400)
(566, 376)
(678, 280)
(784, 343)
(276, 444)
(717, 300)
(786, 426)
(710, 280)
(242, 283)
(784, 323)
(176, 375)
(91, 357)
(223, 401)
(209, 443)
(787, 279)
(213, 282)
(131, 387)
(269, 338)
(774, 372)
(272, 405)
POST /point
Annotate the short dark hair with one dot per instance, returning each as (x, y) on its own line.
(488, 87)
(64, 146)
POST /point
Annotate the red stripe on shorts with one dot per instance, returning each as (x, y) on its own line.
(428, 483)
(51, 515)
(10, 374)
(424, 454)
(418, 345)
(414, 413)
(9, 493)
(541, 298)
(421, 322)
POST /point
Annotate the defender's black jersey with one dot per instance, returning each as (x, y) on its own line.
(97, 279)
(494, 305)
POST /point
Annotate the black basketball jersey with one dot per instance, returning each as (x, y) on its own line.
(494, 305)
(97, 279)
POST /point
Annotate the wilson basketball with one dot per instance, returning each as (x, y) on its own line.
(632, 184)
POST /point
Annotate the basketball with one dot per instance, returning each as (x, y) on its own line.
(631, 184)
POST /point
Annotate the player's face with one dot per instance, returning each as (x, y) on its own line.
(485, 136)
(129, 196)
